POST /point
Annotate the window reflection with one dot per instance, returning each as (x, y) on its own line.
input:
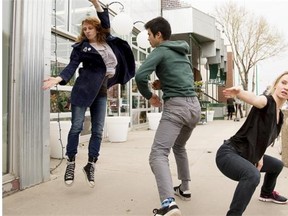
(118, 106)
(61, 20)
(63, 48)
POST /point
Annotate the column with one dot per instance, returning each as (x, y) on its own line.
(284, 137)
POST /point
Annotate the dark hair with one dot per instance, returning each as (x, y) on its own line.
(159, 24)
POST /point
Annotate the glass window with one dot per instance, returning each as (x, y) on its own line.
(60, 52)
(62, 48)
(6, 46)
(79, 10)
(60, 101)
(61, 14)
(125, 100)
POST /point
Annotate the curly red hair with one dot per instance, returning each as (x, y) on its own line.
(101, 32)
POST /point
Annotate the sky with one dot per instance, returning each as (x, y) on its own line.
(275, 12)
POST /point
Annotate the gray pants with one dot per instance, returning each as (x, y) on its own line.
(179, 118)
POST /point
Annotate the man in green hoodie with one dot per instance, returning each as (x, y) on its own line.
(181, 111)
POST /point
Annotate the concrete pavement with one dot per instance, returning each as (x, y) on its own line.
(125, 184)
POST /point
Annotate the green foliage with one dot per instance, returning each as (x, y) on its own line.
(59, 101)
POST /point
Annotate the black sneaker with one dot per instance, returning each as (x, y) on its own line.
(89, 173)
(274, 197)
(171, 210)
(184, 195)
(69, 173)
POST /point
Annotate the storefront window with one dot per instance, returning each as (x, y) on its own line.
(118, 102)
(61, 13)
(79, 10)
(60, 52)
(6, 46)
(61, 47)
(122, 100)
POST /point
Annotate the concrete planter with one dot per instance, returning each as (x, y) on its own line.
(153, 120)
(56, 150)
(210, 115)
(117, 128)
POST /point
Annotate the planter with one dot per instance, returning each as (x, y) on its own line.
(117, 128)
(153, 120)
(210, 115)
(56, 150)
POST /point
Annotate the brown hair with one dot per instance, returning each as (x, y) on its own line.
(101, 32)
(272, 88)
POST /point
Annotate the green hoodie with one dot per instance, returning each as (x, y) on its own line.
(173, 69)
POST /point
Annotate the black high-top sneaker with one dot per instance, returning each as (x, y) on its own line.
(184, 195)
(89, 171)
(69, 173)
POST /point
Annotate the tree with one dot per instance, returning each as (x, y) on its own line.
(251, 38)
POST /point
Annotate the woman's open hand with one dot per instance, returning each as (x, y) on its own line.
(50, 82)
(231, 92)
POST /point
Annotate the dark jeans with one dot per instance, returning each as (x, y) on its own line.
(97, 113)
(237, 168)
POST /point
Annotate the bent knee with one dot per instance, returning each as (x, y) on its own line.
(253, 178)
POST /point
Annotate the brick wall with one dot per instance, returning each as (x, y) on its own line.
(229, 77)
(10, 187)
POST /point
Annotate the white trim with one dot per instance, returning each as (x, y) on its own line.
(65, 115)
(62, 88)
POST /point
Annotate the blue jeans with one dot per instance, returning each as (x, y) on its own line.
(237, 168)
(97, 113)
(180, 116)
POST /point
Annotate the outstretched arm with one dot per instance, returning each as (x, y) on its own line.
(248, 97)
(97, 5)
(50, 82)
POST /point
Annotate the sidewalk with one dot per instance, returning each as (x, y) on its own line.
(125, 184)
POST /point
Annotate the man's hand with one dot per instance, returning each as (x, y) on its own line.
(155, 101)
(156, 85)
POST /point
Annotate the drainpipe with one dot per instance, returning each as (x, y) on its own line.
(161, 8)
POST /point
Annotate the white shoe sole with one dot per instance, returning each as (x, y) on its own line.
(271, 200)
(174, 212)
(68, 184)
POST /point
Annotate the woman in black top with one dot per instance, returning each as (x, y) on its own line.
(241, 158)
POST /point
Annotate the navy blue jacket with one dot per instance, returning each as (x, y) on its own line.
(93, 70)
